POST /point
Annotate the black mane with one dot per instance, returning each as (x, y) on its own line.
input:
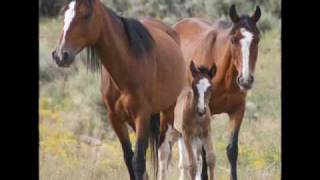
(140, 40)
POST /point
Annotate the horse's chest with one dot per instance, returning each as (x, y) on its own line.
(225, 102)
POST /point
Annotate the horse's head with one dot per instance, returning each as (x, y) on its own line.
(80, 29)
(244, 45)
(202, 86)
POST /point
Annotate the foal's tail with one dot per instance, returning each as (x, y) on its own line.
(154, 141)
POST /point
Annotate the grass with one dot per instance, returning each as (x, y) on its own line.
(70, 106)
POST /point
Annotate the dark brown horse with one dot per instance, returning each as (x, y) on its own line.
(234, 50)
(143, 72)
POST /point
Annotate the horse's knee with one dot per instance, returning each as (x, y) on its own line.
(211, 159)
(193, 170)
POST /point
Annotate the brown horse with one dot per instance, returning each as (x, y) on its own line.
(143, 72)
(234, 50)
(192, 122)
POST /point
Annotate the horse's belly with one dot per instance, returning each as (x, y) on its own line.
(170, 76)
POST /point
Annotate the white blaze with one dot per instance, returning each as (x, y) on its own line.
(202, 87)
(68, 17)
(245, 49)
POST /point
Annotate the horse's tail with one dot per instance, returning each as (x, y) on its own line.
(154, 141)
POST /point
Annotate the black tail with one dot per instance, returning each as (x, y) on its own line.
(154, 141)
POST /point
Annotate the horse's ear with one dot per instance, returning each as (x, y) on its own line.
(256, 15)
(193, 69)
(233, 14)
(213, 71)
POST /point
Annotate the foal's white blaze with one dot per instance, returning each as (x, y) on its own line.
(202, 87)
(245, 49)
(68, 17)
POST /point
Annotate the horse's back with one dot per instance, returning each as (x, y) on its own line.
(190, 27)
(149, 21)
(182, 106)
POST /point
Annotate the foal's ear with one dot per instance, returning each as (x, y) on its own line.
(233, 14)
(213, 71)
(193, 69)
(256, 15)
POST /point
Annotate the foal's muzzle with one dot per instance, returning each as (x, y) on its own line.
(201, 112)
(64, 60)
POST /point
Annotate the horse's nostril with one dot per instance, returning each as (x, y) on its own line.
(239, 80)
(251, 79)
(201, 112)
(53, 53)
(65, 55)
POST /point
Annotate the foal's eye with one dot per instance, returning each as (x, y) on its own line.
(86, 16)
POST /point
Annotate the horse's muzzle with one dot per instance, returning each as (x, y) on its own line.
(245, 83)
(65, 61)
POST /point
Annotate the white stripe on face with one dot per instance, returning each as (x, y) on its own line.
(202, 87)
(245, 49)
(68, 17)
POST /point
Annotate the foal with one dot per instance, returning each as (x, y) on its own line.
(192, 122)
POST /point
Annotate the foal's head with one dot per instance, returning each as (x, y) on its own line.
(244, 45)
(81, 29)
(202, 86)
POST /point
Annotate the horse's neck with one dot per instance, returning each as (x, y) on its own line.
(227, 73)
(113, 50)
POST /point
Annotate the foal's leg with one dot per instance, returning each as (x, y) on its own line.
(191, 157)
(168, 136)
(121, 130)
(198, 157)
(210, 156)
(204, 174)
(165, 151)
(232, 148)
(182, 160)
(142, 133)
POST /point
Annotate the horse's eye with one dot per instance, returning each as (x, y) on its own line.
(86, 16)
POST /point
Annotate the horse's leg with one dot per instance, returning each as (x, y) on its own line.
(198, 160)
(210, 156)
(168, 138)
(122, 132)
(232, 148)
(191, 157)
(182, 160)
(142, 123)
(164, 154)
(204, 173)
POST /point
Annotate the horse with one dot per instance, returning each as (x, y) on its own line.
(192, 122)
(142, 73)
(233, 48)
